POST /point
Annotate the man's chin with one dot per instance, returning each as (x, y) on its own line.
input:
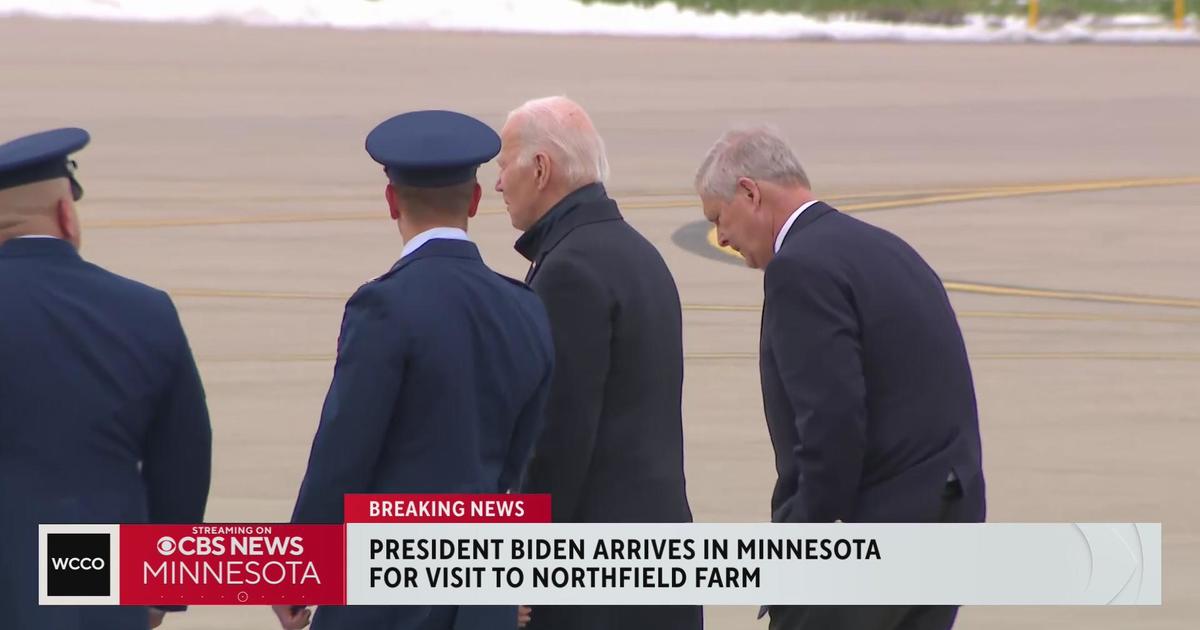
(755, 263)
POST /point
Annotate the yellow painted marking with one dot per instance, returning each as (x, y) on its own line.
(719, 356)
(1110, 356)
(257, 295)
(717, 308)
(1033, 315)
(987, 289)
(240, 220)
(1044, 189)
(997, 193)
(723, 307)
(1084, 296)
(1053, 294)
(930, 196)
(249, 219)
(740, 356)
(1063, 356)
(269, 358)
(202, 197)
(688, 197)
(1076, 317)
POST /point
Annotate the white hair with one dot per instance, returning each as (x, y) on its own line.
(759, 153)
(559, 127)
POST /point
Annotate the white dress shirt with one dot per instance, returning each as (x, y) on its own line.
(788, 224)
(451, 233)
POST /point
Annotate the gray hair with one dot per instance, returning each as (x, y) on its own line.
(561, 128)
(759, 153)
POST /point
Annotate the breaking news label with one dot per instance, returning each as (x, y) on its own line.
(502, 550)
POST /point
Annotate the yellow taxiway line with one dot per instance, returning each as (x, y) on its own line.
(996, 193)
(1017, 191)
(1055, 356)
(974, 314)
(1083, 296)
(927, 197)
(744, 356)
(755, 308)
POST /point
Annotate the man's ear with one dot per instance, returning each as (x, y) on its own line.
(541, 170)
(393, 202)
(68, 221)
(749, 189)
(476, 195)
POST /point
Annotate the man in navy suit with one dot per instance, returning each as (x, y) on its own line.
(102, 413)
(443, 366)
(868, 393)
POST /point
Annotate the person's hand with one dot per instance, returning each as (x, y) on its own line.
(524, 614)
(156, 617)
(293, 617)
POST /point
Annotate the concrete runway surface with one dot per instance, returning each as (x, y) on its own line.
(1049, 185)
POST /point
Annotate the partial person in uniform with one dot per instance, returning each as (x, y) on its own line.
(612, 450)
(102, 412)
(868, 393)
(443, 366)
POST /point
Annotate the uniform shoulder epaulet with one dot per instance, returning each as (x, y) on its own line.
(366, 285)
(385, 275)
(514, 281)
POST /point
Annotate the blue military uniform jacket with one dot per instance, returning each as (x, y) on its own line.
(442, 374)
(102, 417)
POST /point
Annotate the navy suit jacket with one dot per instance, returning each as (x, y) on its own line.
(868, 392)
(442, 373)
(102, 417)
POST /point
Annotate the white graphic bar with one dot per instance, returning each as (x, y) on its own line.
(762, 563)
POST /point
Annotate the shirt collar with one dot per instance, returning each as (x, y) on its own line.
(415, 243)
(788, 224)
(37, 236)
(38, 246)
(530, 243)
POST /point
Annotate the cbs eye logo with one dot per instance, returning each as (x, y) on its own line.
(77, 565)
(166, 545)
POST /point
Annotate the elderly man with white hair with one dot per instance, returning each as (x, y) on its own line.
(612, 448)
(868, 394)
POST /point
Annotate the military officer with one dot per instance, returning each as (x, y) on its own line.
(443, 366)
(102, 412)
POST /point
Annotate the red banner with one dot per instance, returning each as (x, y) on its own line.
(447, 508)
(265, 564)
(230, 564)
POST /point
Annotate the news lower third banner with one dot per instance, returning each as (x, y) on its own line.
(502, 549)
